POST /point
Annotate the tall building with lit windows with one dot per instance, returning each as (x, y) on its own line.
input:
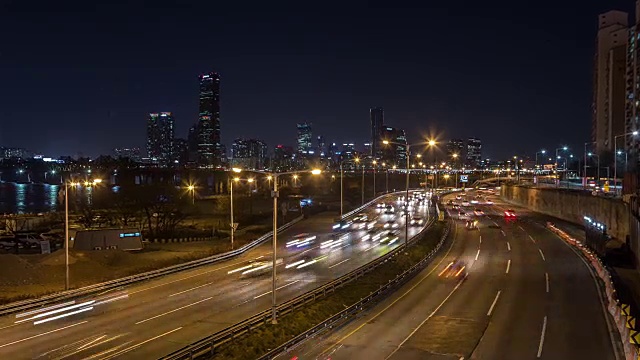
(609, 80)
(160, 136)
(376, 117)
(305, 140)
(394, 153)
(474, 152)
(632, 105)
(210, 150)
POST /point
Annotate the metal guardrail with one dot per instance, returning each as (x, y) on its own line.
(356, 308)
(208, 344)
(25, 305)
(108, 285)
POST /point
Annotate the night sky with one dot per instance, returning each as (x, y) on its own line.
(80, 77)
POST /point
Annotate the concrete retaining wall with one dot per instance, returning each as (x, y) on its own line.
(573, 205)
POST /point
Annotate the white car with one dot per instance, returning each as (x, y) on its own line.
(417, 221)
(488, 202)
(391, 225)
(465, 203)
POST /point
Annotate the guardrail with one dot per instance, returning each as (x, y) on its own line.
(358, 307)
(108, 285)
(210, 343)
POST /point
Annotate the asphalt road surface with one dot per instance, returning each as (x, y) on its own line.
(151, 319)
(527, 296)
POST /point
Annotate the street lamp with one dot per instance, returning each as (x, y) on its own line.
(597, 164)
(615, 158)
(564, 148)
(192, 189)
(539, 152)
(274, 194)
(67, 184)
(407, 154)
(374, 177)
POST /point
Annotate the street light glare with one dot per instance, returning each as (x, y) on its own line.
(236, 179)
(235, 169)
(190, 187)
(634, 133)
(386, 142)
(97, 181)
(250, 180)
(432, 142)
(295, 176)
(543, 152)
(316, 171)
(565, 148)
(269, 177)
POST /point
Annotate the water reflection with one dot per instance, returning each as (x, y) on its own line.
(28, 198)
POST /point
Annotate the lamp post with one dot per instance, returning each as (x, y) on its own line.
(192, 190)
(386, 180)
(597, 164)
(67, 184)
(565, 148)
(615, 158)
(374, 178)
(455, 163)
(539, 152)
(407, 154)
(274, 194)
(362, 183)
(236, 179)
(356, 160)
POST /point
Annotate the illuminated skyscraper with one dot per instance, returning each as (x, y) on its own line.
(474, 151)
(208, 128)
(376, 115)
(160, 134)
(305, 144)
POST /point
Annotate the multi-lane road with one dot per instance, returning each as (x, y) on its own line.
(527, 296)
(154, 318)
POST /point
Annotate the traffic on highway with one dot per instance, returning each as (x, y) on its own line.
(504, 287)
(153, 318)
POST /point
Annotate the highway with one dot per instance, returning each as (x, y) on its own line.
(527, 296)
(153, 318)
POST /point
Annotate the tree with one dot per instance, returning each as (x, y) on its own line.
(162, 206)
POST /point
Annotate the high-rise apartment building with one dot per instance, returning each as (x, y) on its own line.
(160, 135)
(282, 158)
(632, 105)
(609, 80)
(455, 147)
(132, 153)
(210, 150)
(321, 148)
(474, 152)
(376, 117)
(394, 153)
(249, 154)
(305, 140)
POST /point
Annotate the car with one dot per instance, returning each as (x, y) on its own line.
(342, 225)
(478, 212)
(455, 207)
(458, 197)
(380, 205)
(471, 224)
(449, 202)
(488, 202)
(391, 224)
(301, 240)
(510, 214)
(360, 218)
(462, 215)
(454, 270)
(417, 220)
(465, 203)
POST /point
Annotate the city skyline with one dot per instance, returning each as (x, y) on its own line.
(297, 83)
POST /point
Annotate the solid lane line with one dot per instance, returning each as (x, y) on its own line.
(45, 333)
(399, 298)
(425, 320)
(546, 278)
(544, 329)
(508, 246)
(132, 347)
(542, 254)
(494, 303)
(508, 266)
(477, 254)
(184, 291)
(341, 262)
(174, 310)
(281, 287)
(531, 237)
